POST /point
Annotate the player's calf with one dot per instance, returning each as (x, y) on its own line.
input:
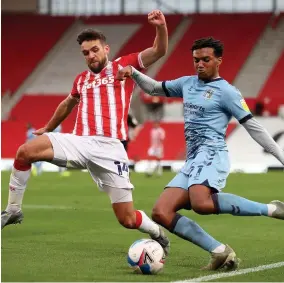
(128, 221)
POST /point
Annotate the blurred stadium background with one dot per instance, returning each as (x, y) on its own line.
(40, 59)
(70, 233)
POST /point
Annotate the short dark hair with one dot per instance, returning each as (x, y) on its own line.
(211, 42)
(90, 34)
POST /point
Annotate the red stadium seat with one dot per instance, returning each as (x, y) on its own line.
(26, 39)
(239, 33)
(272, 92)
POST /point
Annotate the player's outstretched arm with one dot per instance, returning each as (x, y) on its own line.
(262, 137)
(160, 45)
(147, 84)
(62, 111)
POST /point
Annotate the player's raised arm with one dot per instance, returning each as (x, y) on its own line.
(263, 138)
(147, 84)
(160, 45)
(170, 88)
(62, 111)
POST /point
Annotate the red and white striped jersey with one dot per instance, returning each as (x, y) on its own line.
(104, 102)
(157, 137)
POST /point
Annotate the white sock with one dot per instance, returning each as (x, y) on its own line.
(160, 169)
(271, 208)
(17, 186)
(219, 249)
(151, 167)
(156, 166)
(146, 224)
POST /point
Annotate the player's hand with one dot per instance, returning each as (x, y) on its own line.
(40, 131)
(124, 73)
(156, 18)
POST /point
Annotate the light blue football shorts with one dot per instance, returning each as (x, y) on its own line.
(210, 168)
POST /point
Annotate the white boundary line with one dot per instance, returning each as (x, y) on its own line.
(45, 206)
(233, 273)
(59, 207)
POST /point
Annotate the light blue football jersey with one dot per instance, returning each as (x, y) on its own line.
(208, 108)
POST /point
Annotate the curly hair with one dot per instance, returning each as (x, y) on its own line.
(211, 42)
(91, 34)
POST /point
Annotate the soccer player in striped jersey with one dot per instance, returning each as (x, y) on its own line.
(156, 150)
(101, 124)
(209, 103)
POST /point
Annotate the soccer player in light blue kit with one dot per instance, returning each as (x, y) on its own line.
(37, 166)
(209, 104)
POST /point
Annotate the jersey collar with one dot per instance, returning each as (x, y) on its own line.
(210, 81)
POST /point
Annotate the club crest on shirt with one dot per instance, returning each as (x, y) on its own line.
(208, 93)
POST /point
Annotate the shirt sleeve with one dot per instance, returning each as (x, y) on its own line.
(133, 59)
(174, 88)
(235, 104)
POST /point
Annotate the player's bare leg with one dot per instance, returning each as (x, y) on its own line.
(38, 149)
(165, 214)
(137, 219)
(203, 201)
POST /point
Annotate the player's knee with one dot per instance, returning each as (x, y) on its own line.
(24, 154)
(203, 208)
(159, 215)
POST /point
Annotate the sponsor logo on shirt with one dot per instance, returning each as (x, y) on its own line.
(98, 82)
(194, 106)
(193, 109)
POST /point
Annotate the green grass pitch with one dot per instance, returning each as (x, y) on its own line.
(70, 233)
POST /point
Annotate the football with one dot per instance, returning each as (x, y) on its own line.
(146, 256)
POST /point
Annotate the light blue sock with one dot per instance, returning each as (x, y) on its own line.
(191, 231)
(235, 205)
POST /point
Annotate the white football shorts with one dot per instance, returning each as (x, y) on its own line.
(156, 152)
(105, 158)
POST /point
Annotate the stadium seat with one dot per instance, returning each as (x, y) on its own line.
(271, 93)
(26, 39)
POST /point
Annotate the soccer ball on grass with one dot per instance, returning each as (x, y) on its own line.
(146, 256)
